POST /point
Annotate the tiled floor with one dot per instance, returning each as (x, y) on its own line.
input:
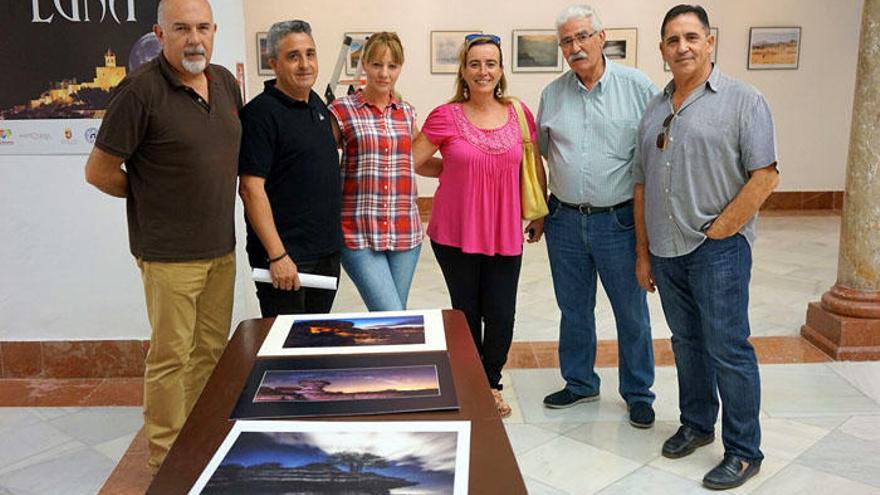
(821, 420)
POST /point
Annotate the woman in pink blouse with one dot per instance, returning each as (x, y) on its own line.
(381, 226)
(476, 228)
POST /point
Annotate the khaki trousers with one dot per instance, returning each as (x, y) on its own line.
(189, 305)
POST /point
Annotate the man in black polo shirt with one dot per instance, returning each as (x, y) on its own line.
(289, 172)
(173, 121)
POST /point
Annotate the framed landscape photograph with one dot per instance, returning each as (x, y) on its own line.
(712, 30)
(445, 46)
(774, 48)
(424, 457)
(621, 45)
(263, 67)
(354, 52)
(536, 50)
(355, 333)
(347, 385)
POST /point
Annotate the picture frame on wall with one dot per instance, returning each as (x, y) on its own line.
(536, 50)
(621, 45)
(354, 51)
(445, 46)
(263, 67)
(712, 30)
(774, 48)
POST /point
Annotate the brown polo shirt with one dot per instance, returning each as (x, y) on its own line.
(181, 155)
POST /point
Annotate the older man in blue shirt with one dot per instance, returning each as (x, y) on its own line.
(587, 128)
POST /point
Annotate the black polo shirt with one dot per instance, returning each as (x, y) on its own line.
(180, 154)
(290, 143)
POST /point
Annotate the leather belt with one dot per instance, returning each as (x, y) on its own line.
(586, 209)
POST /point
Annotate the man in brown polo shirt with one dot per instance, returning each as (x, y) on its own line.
(174, 123)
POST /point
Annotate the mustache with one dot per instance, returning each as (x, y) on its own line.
(199, 50)
(574, 57)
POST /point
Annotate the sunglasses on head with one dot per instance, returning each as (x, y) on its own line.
(663, 137)
(492, 38)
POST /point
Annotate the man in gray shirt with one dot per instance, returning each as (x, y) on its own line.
(587, 127)
(705, 162)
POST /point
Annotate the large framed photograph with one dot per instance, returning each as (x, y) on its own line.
(347, 385)
(445, 46)
(263, 67)
(621, 45)
(355, 333)
(536, 50)
(424, 457)
(774, 48)
(713, 31)
(358, 40)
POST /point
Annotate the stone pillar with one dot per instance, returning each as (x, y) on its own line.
(846, 323)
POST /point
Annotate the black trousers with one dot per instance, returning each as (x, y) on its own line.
(274, 302)
(484, 289)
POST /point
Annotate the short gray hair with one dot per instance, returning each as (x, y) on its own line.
(281, 29)
(575, 11)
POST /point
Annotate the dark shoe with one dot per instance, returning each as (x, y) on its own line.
(641, 415)
(731, 473)
(685, 441)
(566, 398)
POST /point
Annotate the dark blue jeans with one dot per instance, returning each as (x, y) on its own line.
(705, 297)
(582, 247)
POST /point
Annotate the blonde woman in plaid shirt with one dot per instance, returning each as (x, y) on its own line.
(380, 220)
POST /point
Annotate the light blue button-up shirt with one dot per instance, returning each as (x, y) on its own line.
(721, 134)
(589, 136)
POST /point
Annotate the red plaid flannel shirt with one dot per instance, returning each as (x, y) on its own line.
(379, 210)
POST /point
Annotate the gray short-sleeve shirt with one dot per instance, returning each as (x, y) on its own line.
(722, 132)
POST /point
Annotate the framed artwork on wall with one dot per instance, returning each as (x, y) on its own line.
(536, 50)
(774, 48)
(354, 52)
(712, 30)
(263, 67)
(444, 50)
(621, 45)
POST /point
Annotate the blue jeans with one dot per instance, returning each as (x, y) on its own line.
(382, 278)
(705, 297)
(581, 247)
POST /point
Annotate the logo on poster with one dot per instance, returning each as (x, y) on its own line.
(68, 133)
(91, 134)
(78, 10)
(6, 136)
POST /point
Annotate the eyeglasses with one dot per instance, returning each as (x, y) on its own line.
(581, 38)
(663, 137)
(492, 38)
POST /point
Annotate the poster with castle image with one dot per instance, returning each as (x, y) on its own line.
(392, 457)
(355, 333)
(61, 59)
(285, 387)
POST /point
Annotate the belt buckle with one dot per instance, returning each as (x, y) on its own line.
(585, 209)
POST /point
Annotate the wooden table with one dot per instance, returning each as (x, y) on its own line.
(493, 468)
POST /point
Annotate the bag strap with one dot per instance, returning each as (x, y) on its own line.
(523, 125)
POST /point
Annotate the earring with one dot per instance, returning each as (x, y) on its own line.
(498, 92)
(466, 93)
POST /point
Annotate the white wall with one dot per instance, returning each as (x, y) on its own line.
(812, 105)
(67, 271)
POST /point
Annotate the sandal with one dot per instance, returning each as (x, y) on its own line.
(503, 407)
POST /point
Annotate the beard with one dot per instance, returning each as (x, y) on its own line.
(195, 66)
